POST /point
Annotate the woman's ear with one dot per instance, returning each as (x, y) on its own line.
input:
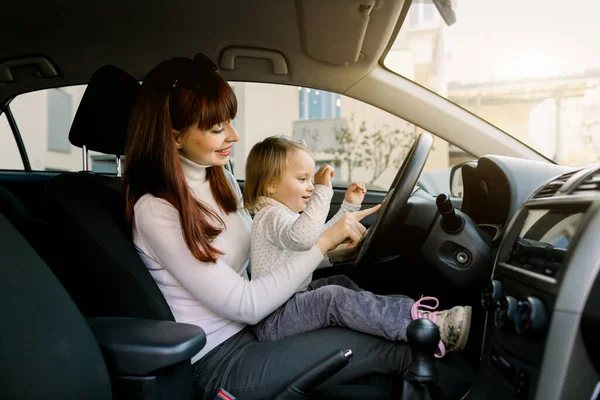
(177, 136)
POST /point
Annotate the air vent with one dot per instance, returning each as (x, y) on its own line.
(552, 187)
(590, 184)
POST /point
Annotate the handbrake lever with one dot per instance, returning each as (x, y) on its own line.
(303, 383)
(301, 386)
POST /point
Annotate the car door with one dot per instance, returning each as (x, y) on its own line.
(372, 198)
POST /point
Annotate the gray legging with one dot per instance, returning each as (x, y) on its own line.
(338, 301)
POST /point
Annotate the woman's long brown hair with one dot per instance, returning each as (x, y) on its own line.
(152, 163)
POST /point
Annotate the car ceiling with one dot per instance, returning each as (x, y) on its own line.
(80, 37)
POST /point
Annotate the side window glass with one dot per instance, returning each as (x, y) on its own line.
(44, 118)
(10, 158)
(361, 142)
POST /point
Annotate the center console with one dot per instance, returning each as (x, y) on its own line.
(541, 280)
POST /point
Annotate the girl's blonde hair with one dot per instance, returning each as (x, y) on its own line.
(266, 163)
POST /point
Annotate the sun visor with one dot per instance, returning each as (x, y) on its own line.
(334, 31)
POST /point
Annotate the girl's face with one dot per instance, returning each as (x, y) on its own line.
(295, 186)
(210, 147)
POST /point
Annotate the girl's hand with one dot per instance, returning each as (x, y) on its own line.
(324, 176)
(346, 229)
(355, 194)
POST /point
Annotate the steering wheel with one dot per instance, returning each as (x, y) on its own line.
(393, 212)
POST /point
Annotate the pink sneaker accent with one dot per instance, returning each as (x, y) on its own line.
(416, 312)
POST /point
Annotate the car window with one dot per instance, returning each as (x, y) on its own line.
(44, 118)
(10, 158)
(362, 143)
(531, 68)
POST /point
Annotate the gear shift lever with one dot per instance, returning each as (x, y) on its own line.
(423, 337)
(420, 382)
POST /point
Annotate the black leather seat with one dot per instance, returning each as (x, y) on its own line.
(47, 349)
(35, 231)
(102, 272)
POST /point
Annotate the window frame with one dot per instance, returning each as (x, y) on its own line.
(16, 134)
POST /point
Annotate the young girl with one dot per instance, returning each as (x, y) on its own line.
(278, 188)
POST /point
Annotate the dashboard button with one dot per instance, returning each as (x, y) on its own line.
(506, 369)
(530, 318)
(491, 294)
(505, 309)
(522, 384)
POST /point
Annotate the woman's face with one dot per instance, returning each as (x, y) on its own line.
(210, 147)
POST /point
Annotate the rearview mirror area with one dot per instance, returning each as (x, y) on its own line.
(447, 9)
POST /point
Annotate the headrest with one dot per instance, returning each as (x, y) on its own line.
(102, 119)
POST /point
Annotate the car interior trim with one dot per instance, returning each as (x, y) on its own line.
(528, 273)
(230, 54)
(566, 372)
(18, 138)
(45, 67)
(584, 266)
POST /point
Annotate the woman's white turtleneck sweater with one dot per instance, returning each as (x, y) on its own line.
(215, 296)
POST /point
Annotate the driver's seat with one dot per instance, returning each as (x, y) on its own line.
(102, 270)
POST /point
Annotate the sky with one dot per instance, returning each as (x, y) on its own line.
(513, 39)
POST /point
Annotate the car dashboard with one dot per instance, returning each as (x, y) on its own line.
(496, 186)
(543, 300)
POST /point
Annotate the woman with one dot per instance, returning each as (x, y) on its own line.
(194, 236)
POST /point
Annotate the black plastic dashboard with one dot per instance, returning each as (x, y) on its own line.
(497, 186)
(543, 300)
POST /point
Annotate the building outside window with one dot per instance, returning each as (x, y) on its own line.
(319, 104)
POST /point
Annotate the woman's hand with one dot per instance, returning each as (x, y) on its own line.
(324, 175)
(342, 253)
(346, 229)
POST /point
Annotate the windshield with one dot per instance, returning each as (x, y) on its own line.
(531, 68)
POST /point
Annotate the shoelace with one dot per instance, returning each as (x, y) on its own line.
(417, 313)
